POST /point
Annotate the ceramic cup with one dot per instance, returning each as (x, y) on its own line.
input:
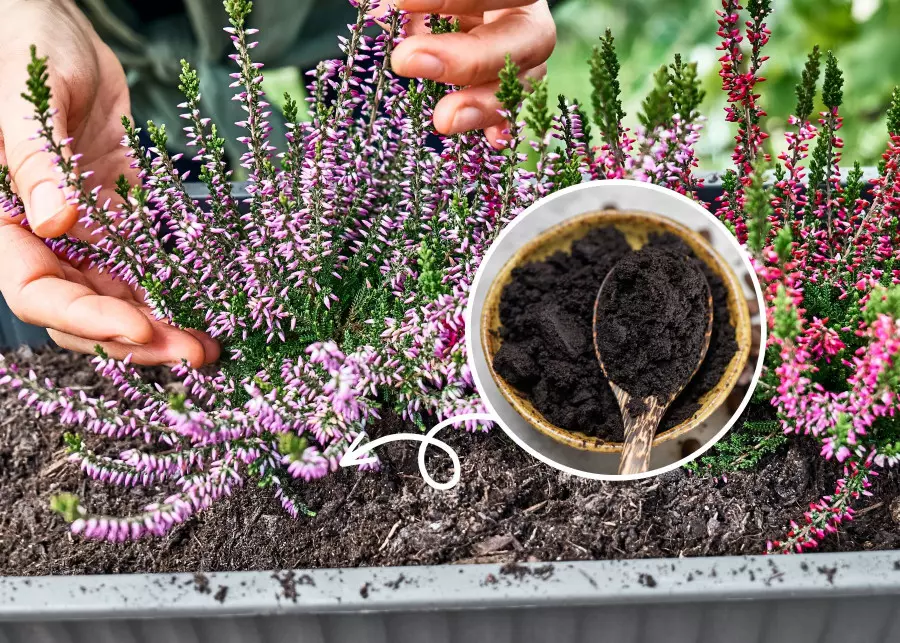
(553, 224)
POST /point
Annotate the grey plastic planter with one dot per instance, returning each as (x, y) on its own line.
(825, 598)
(813, 598)
(14, 333)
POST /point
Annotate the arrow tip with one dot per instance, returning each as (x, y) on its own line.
(353, 456)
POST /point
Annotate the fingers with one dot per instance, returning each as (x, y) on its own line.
(475, 107)
(32, 169)
(474, 58)
(102, 283)
(211, 348)
(459, 7)
(496, 135)
(169, 346)
(37, 290)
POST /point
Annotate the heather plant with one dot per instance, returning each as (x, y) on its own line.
(337, 288)
(826, 253)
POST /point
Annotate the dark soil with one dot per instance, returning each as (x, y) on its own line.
(722, 342)
(507, 508)
(651, 318)
(547, 351)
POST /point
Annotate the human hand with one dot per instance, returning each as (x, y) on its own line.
(473, 58)
(80, 307)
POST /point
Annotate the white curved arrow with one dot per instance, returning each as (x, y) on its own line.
(355, 455)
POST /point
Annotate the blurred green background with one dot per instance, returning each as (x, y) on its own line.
(864, 35)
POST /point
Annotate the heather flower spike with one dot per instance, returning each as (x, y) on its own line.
(893, 115)
(759, 210)
(657, 108)
(606, 99)
(806, 89)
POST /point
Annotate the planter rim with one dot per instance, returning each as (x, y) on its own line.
(453, 587)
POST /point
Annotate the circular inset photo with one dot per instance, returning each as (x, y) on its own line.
(610, 330)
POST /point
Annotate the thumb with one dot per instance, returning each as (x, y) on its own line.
(32, 166)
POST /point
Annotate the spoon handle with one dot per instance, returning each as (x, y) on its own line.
(640, 429)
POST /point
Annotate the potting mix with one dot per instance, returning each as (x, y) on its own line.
(652, 314)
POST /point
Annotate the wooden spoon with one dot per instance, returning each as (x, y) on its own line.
(642, 417)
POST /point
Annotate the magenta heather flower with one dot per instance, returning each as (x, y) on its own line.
(740, 78)
(826, 257)
(825, 516)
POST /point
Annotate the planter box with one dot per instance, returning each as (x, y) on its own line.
(825, 598)
(822, 598)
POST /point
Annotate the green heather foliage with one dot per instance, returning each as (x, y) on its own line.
(743, 448)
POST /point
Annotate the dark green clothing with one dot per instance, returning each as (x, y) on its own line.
(152, 37)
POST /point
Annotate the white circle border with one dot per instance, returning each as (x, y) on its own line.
(476, 341)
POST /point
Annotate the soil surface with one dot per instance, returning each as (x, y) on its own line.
(547, 352)
(652, 314)
(508, 507)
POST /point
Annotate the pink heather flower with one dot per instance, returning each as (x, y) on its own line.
(820, 340)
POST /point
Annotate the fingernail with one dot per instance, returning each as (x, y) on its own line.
(467, 118)
(47, 201)
(422, 65)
